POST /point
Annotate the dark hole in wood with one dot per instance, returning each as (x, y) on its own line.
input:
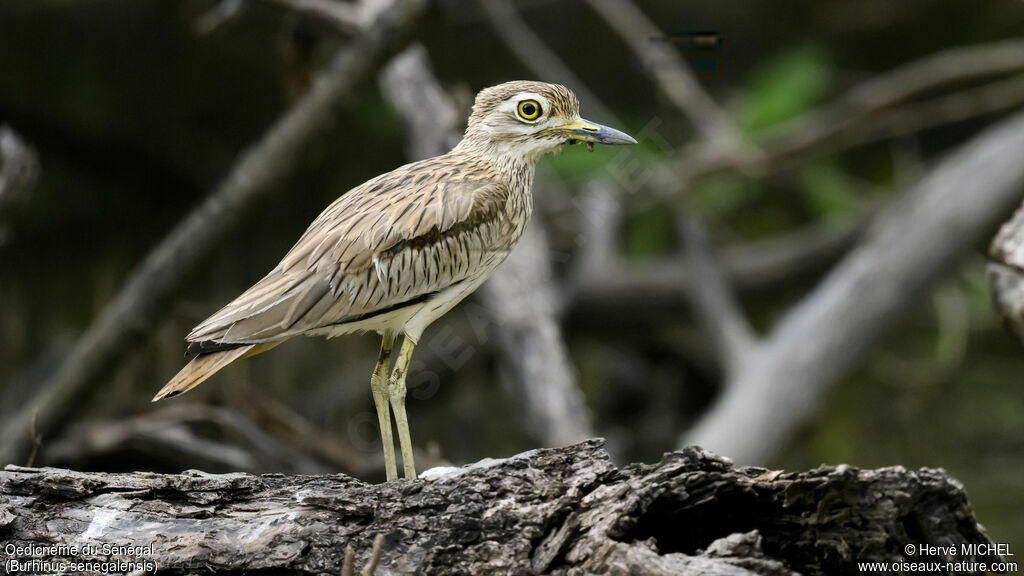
(688, 525)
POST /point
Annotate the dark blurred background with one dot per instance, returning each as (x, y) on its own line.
(125, 115)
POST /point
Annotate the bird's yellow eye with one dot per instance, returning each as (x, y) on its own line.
(529, 109)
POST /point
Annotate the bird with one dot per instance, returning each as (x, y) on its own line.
(397, 252)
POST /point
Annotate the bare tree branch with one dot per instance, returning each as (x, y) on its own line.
(522, 300)
(782, 144)
(913, 118)
(948, 67)
(873, 110)
(345, 16)
(714, 302)
(221, 13)
(432, 121)
(19, 167)
(535, 54)
(664, 282)
(184, 435)
(600, 214)
(873, 104)
(1006, 272)
(671, 73)
(521, 297)
(142, 301)
(905, 249)
(892, 88)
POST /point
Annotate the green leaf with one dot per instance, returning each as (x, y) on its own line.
(827, 190)
(650, 232)
(720, 194)
(574, 163)
(783, 87)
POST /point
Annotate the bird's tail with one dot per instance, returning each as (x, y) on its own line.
(205, 365)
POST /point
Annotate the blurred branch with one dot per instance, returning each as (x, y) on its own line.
(19, 168)
(184, 435)
(874, 103)
(142, 302)
(1006, 272)
(281, 422)
(866, 113)
(823, 129)
(430, 117)
(600, 214)
(885, 91)
(949, 109)
(671, 73)
(221, 13)
(522, 300)
(345, 17)
(531, 50)
(545, 64)
(713, 300)
(664, 282)
(906, 248)
(952, 66)
(521, 297)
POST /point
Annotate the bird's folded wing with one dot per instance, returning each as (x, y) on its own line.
(395, 239)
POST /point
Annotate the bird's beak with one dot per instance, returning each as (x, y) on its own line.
(587, 131)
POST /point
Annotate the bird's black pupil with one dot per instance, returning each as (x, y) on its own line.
(529, 109)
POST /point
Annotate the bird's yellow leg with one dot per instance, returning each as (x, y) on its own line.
(379, 386)
(396, 390)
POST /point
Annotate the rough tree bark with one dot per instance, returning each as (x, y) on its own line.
(552, 511)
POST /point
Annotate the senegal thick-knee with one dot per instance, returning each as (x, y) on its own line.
(396, 253)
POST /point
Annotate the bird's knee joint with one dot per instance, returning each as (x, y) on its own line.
(396, 389)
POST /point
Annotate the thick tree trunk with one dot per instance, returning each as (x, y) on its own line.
(552, 511)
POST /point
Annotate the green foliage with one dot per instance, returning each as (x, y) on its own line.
(826, 189)
(575, 164)
(977, 294)
(720, 194)
(649, 232)
(377, 117)
(784, 86)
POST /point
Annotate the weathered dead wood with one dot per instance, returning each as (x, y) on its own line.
(556, 511)
(1006, 272)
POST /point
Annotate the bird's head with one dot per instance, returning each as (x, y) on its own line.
(529, 119)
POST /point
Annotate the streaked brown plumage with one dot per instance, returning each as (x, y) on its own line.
(397, 252)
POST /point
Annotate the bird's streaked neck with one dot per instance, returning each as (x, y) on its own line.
(509, 157)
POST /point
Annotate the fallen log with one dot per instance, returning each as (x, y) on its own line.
(551, 511)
